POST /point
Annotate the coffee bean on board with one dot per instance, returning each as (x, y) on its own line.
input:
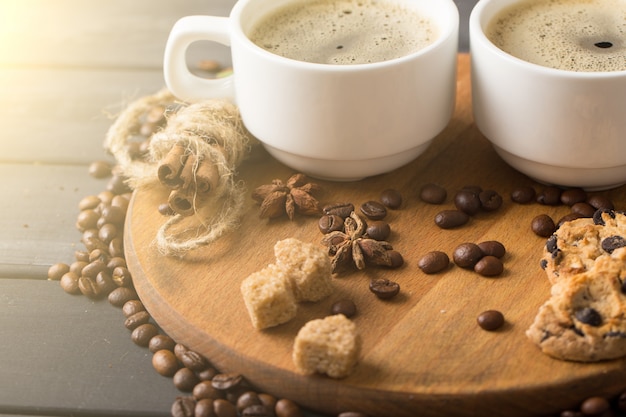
(165, 363)
(490, 320)
(572, 196)
(467, 201)
(433, 262)
(374, 210)
(345, 307)
(543, 225)
(330, 223)
(450, 219)
(378, 230)
(342, 210)
(549, 196)
(523, 195)
(433, 194)
(384, 288)
(490, 200)
(466, 255)
(493, 248)
(391, 198)
(489, 266)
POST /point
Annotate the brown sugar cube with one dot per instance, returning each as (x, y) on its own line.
(328, 346)
(268, 297)
(307, 266)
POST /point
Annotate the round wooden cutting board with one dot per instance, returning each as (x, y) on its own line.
(423, 352)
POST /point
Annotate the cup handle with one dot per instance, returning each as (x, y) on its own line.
(180, 81)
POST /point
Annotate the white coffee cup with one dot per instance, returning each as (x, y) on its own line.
(338, 122)
(561, 127)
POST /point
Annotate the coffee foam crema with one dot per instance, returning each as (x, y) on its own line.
(344, 32)
(573, 35)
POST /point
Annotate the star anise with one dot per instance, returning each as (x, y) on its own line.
(353, 246)
(296, 196)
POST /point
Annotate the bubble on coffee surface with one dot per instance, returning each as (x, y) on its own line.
(573, 35)
(344, 31)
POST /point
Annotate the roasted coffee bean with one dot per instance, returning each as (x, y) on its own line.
(378, 230)
(89, 203)
(342, 210)
(69, 283)
(450, 219)
(549, 196)
(490, 200)
(106, 197)
(94, 243)
(166, 210)
(184, 379)
(489, 266)
(160, 342)
(257, 410)
(433, 194)
(595, 406)
(82, 255)
(287, 408)
(490, 320)
(165, 363)
(523, 195)
(207, 374)
(205, 390)
(391, 198)
(56, 271)
(467, 201)
(345, 307)
(116, 247)
(247, 399)
(330, 223)
(572, 196)
(567, 218)
(226, 381)
(100, 169)
(142, 334)
(183, 407)
(224, 408)
(204, 408)
(396, 259)
(115, 262)
(88, 288)
(373, 210)
(433, 262)
(493, 248)
(466, 255)
(268, 400)
(543, 225)
(122, 201)
(99, 255)
(584, 209)
(77, 267)
(114, 214)
(194, 361)
(589, 316)
(611, 243)
(132, 307)
(121, 276)
(105, 283)
(87, 219)
(119, 296)
(117, 185)
(136, 320)
(600, 202)
(93, 268)
(384, 288)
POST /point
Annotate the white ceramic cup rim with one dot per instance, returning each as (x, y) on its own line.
(478, 22)
(447, 27)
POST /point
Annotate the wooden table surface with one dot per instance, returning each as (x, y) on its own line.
(66, 68)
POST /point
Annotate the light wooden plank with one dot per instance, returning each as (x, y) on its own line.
(38, 216)
(67, 355)
(91, 33)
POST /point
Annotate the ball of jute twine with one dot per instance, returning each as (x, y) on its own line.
(213, 131)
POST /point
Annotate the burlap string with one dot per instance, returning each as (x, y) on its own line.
(212, 130)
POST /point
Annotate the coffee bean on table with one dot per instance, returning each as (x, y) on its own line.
(342, 210)
(433, 262)
(543, 225)
(391, 198)
(287, 408)
(523, 195)
(466, 255)
(226, 381)
(572, 196)
(595, 406)
(549, 196)
(490, 200)
(88, 288)
(490, 320)
(69, 283)
(378, 230)
(489, 266)
(160, 342)
(224, 408)
(131, 307)
(450, 219)
(183, 407)
(433, 194)
(136, 320)
(204, 408)
(467, 201)
(493, 248)
(600, 202)
(205, 390)
(345, 307)
(373, 210)
(119, 296)
(584, 209)
(194, 361)
(100, 169)
(165, 363)
(330, 223)
(142, 334)
(396, 259)
(184, 379)
(384, 288)
(56, 271)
